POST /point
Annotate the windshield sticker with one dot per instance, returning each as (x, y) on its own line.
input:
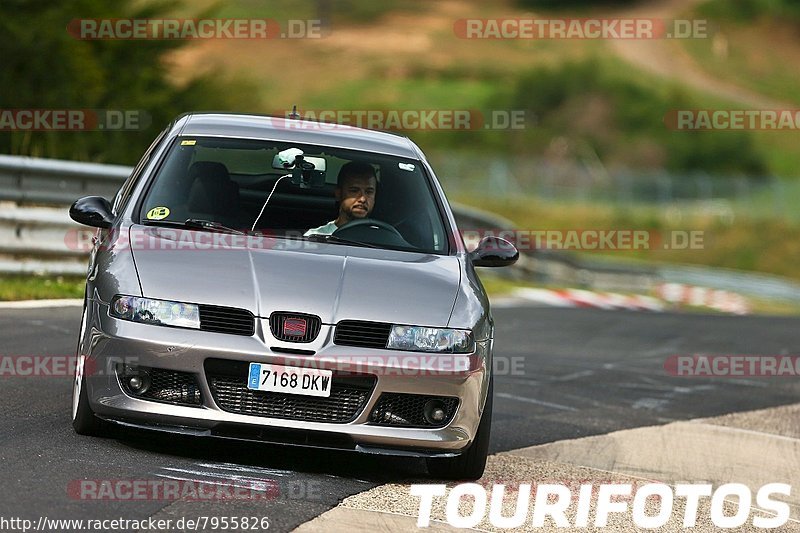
(158, 213)
(406, 166)
(188, 142)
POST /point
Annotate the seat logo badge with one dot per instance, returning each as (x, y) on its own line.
(295, 327)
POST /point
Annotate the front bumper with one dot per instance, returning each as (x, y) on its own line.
(110, 341)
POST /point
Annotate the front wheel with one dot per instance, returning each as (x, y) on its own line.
(470, 464)
(84, 420)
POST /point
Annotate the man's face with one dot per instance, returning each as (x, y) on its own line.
(356, 197)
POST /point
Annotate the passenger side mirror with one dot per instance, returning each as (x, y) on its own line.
(494, 252)
(92, 211)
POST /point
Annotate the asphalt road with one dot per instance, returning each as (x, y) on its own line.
(562, 373)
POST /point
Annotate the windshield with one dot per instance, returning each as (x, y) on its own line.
(343, 196)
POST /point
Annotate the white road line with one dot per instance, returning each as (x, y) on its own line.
(224, 475)
(743, 430)
(218, 483)
(523, 381)
(240, 468)
(534, 401)
(38, 304)
(574, 375)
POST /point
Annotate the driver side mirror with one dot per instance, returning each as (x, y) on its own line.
(494, 252)
(92, 211)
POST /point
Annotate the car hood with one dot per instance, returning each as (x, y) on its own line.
(334, 282)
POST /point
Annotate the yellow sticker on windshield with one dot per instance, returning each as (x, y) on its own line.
(158, 213)
(187, 142)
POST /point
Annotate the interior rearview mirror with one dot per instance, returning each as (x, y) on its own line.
(307, 171)
(284, 159)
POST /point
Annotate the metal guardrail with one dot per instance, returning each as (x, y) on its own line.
(36, 238)
(56, 182)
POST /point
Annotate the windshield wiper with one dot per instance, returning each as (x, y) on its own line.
(338, 240)
(195, 223)
(211, 225)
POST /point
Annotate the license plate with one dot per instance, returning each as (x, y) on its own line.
(290, 379)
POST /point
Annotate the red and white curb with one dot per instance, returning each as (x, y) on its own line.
(583, 298)
(669, 295)
(725, 301)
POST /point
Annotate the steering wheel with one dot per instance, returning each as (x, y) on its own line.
(370, 230)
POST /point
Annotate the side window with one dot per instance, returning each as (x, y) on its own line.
(127, 188)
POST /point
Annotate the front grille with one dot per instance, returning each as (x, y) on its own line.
(166, 386)
(226, 320)
(228, 383)
(362, 334)
(284, 331)
(407, 410)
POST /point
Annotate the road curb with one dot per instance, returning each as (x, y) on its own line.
(680, 452)
(708, 450)
(349, 520)
(39, 304)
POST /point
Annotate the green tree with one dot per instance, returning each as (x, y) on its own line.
(45, 67)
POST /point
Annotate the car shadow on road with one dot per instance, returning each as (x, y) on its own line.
(319, 461)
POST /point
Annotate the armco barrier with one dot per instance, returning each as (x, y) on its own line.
(34, 223)
(35, 194)
(56, 182)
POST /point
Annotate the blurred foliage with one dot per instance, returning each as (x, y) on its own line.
(44, 67)
(748, 10)
(332, 12)
(769, 246)
(573, 4)
(599, 103)
(594, 102)
(362, 11)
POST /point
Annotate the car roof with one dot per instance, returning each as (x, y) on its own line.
(296, 130)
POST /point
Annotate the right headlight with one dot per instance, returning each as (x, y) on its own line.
(436, 340)
(156, 312)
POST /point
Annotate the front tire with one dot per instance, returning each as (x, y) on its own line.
(469, 465)
(84, 420)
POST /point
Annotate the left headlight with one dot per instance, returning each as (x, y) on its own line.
(438, 340)
(157, 312)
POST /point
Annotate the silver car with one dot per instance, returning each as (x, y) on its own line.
(241, 286)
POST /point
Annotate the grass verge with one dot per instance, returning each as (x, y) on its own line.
(498, 287)
(22, 287)
(729, 241)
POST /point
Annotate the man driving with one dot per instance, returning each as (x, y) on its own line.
(355, 194)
